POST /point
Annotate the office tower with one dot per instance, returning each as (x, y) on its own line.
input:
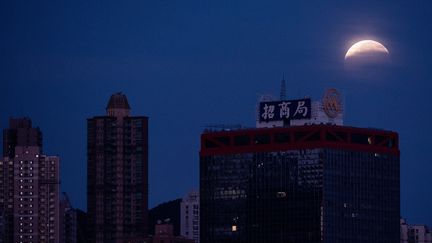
(29, 187)
(117, 180)
(20, 133)
(312, 183)
(189, 216)
(68, 220)
(83, 233)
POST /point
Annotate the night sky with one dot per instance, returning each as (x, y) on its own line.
(186, 64)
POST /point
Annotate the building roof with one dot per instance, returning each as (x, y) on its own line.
(299, 137)
(118, 101)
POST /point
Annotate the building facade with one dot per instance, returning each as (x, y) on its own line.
(316, 183)
(189, 216)
(415, 233)
(117, 173)
(29, 190)
(2, 226)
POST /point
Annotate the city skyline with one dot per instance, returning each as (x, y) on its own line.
(187, 65)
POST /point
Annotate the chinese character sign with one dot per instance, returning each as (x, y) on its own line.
(285, 110)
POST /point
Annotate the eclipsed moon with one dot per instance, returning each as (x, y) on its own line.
(365, 48)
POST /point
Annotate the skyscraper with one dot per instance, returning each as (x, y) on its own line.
(117, 180)
(29, 187)
(312, 183)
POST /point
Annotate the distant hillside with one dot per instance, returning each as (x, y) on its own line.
(168, 210)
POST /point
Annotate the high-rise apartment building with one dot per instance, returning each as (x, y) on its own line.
(309, 184)
(20, 133)
(117, 173)
(29, 188)
(189, 216)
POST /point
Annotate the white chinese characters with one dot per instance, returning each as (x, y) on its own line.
(301, 109)
(284, 110)
(268, 112)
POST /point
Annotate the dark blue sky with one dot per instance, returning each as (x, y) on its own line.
(186, 64)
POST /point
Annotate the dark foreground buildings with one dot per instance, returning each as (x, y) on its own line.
(315, 183)
(68, 220)
(300, 184)
(117, 177)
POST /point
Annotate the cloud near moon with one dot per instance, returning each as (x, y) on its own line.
(365, 48)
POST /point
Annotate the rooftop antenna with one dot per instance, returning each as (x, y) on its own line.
(283, 88)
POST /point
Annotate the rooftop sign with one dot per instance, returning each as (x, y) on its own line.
(285, 110)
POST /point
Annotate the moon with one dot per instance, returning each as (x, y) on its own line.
(366, 48)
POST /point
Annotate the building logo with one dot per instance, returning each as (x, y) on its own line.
(332, 103)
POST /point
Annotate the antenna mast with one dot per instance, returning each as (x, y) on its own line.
(283, 88)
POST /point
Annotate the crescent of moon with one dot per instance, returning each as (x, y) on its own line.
(365, 46)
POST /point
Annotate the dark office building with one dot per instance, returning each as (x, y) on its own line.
(117, 181)
(316, 183)
(83, 232)
(20, 133)
(2, 226)
(68, 220)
